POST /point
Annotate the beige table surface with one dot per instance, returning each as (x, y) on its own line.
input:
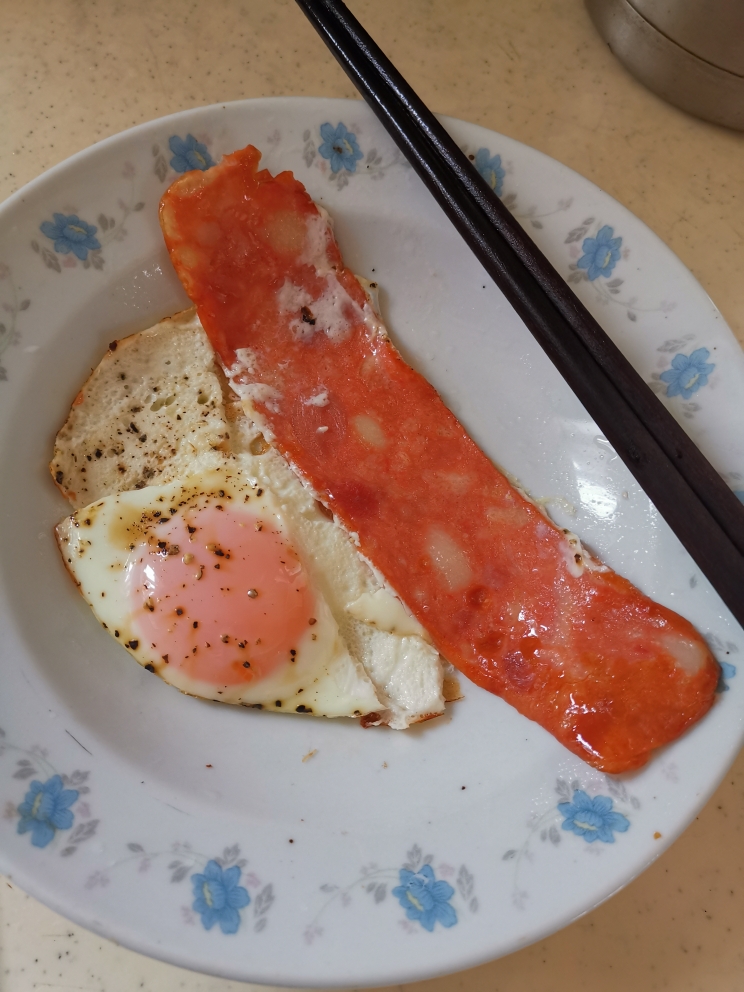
(75, 71)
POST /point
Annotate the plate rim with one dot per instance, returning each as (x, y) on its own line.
(35, 885)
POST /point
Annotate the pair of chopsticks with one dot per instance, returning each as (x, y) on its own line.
(700, 508)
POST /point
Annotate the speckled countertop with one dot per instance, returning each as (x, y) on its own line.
(75, 71)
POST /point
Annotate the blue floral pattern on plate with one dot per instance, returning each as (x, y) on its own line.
(46, 809)
(340, 147)
(220, 888)
(727, 672)
(688, 373)
(601, 254)
(78, 241)
(494, 170)
(592, 818)
(424, 898)
(686, 376)
(189, 154)
(71, 234)
(491, 169)
(218, 896)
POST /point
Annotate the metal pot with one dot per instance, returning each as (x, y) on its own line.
(690, 52)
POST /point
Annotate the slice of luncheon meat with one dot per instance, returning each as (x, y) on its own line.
(509, 598)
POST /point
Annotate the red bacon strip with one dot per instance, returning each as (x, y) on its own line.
(503, 593)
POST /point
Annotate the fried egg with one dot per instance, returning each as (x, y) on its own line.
(152, 433)
(200, 581)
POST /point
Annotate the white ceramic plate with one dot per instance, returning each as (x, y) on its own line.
(117, 791)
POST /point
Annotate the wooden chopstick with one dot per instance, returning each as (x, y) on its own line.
(692, 497)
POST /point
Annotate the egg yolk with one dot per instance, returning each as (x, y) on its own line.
(220, 595)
